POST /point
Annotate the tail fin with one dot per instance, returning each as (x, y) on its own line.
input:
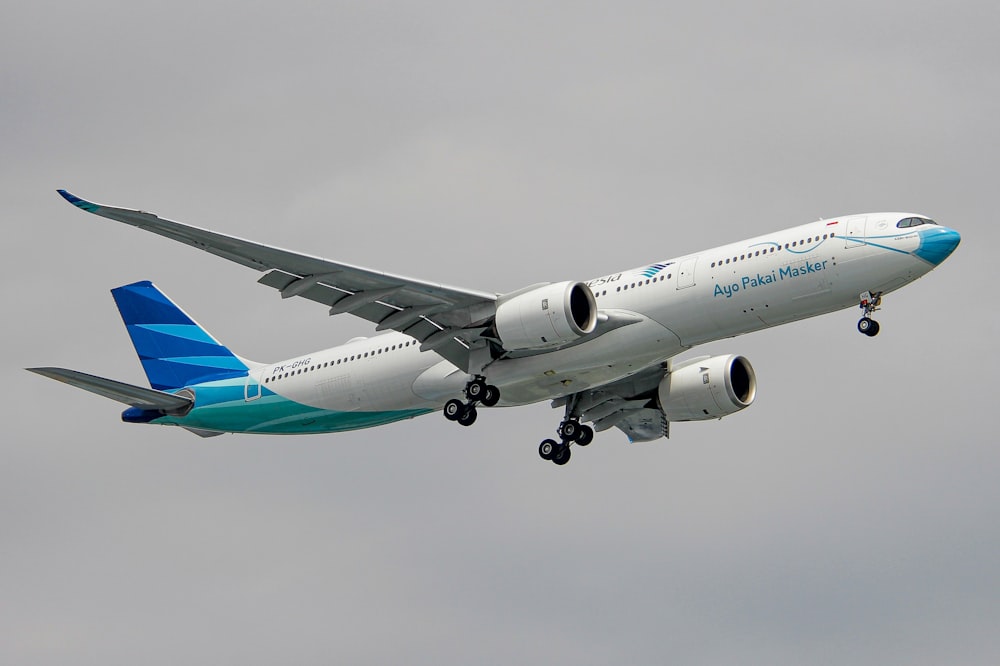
(174, 350)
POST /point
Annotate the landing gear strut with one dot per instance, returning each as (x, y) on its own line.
(870, 302)
(477, 391)
(570, 431)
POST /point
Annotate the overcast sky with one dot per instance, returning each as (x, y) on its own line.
(849, 516)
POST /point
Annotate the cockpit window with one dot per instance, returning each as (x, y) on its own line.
(914, 222)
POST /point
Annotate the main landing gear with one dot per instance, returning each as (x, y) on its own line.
(477, 391)
(570, 432)
(870, 302)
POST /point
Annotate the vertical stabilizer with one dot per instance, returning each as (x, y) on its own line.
(174, 350)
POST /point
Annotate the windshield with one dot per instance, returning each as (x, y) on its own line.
(914, 222)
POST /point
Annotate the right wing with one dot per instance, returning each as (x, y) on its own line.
(137, 396)
(448, 320)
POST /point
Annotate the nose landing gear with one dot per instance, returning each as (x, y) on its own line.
(870, 302)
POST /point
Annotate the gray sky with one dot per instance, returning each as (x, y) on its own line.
(849, 516)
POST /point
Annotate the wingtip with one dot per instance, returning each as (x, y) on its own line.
(83, 204)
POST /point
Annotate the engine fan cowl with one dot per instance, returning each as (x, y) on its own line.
(548, 316)
(708, 388)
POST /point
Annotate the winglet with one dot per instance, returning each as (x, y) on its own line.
(88, 206)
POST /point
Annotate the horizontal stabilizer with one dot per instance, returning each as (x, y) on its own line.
(137, 396)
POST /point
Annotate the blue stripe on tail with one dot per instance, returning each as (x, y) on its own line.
(174, 350)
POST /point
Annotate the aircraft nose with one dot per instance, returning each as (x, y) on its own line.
(937, 244)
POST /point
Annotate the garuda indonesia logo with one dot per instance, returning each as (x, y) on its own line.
(654, 269)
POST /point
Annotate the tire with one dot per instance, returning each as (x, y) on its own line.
(547, 448)
(469, 417)
(475, 390)
(585, 435)
(561, 455)
(569, 430)
(873, 329)
(491, 397)
(865, 325)
(453, 409)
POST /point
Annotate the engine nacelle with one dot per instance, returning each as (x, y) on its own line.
(547, 316)
(708, 388)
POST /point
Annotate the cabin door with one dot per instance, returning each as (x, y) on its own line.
(855, 236)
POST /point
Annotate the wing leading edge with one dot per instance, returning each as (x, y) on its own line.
(448, 320)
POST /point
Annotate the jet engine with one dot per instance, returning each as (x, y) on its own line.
(707, 388)
(546, 316)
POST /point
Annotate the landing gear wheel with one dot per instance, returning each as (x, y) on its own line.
(569, 430)
(476, 389)
(561, 455)
(869, 304)
(585, 435)
(491, 396)
(454, 409)
(547, 448)
(468, 417)
(868, 326)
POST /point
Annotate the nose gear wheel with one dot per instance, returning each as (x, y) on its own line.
(869, 303)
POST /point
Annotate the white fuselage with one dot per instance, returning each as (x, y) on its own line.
(722, 292)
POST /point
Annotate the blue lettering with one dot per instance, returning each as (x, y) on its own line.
(726, 290)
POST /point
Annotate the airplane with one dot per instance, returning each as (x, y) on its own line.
(603, 350)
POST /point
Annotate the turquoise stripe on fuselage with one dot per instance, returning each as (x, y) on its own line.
(222, 406)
